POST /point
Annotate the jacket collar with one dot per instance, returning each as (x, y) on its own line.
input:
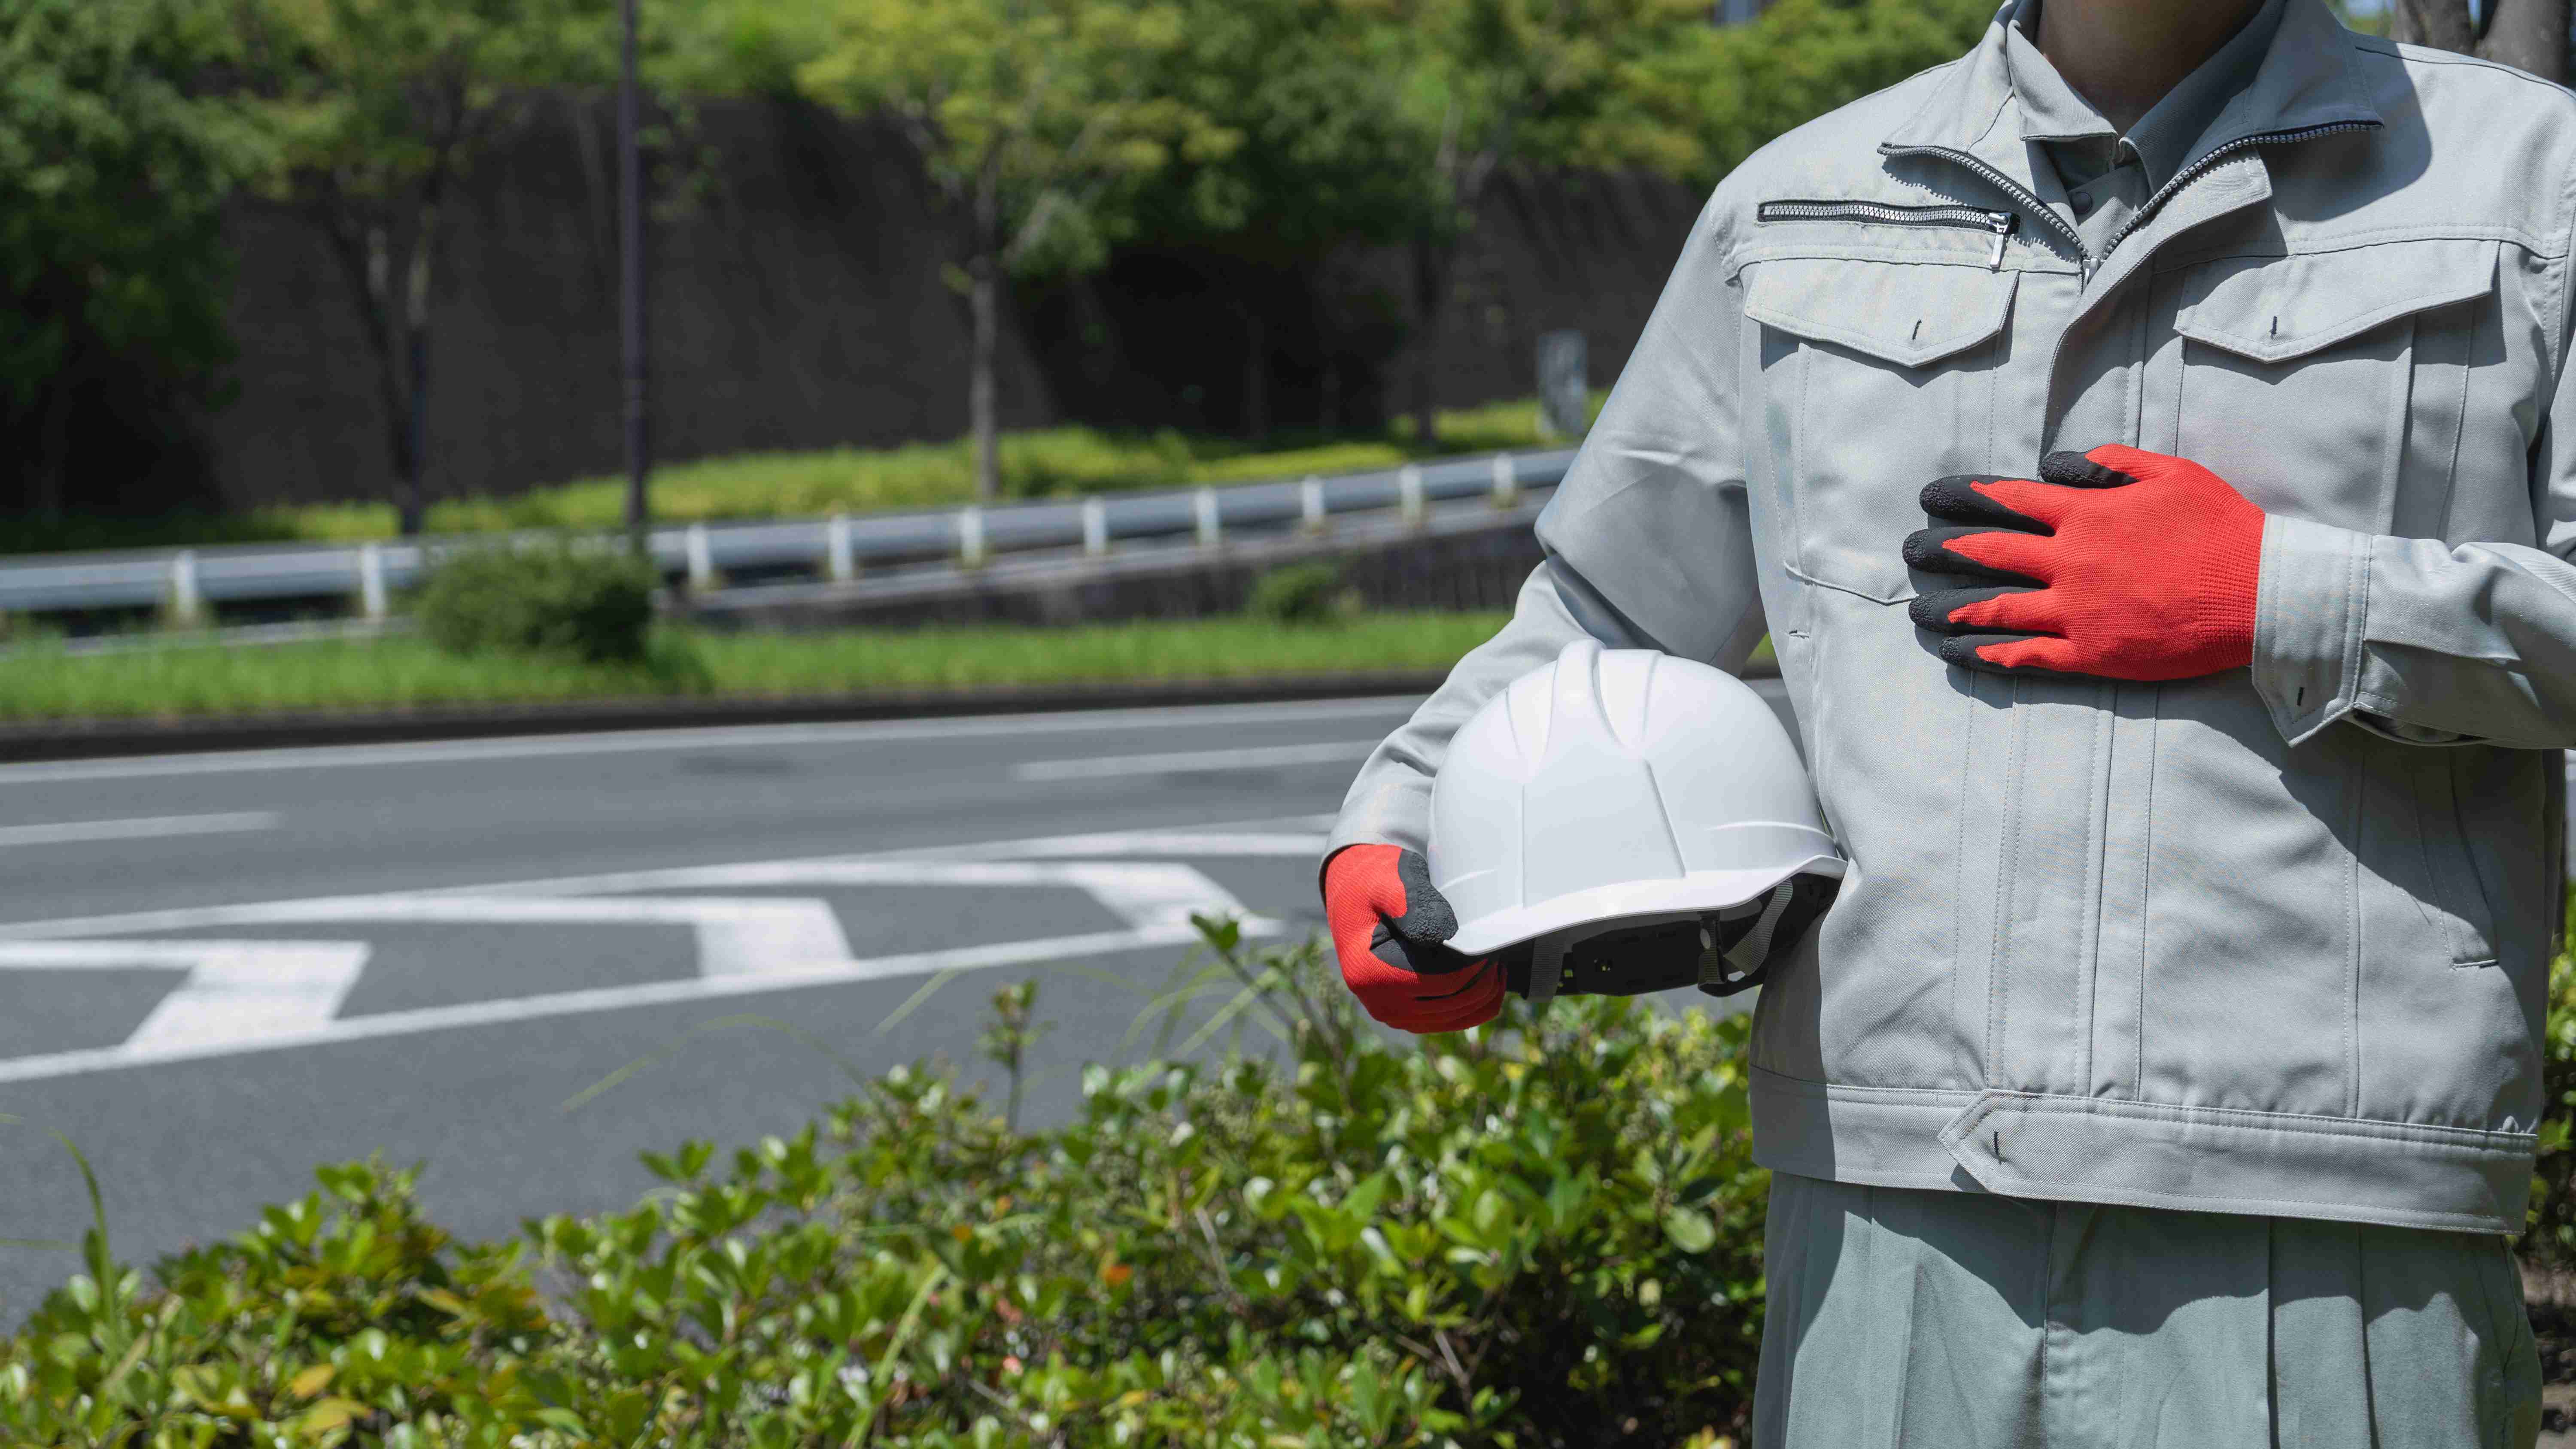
(2309, 77)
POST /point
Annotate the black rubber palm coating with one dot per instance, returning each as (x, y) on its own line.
(2074, 470)
(1928, 550)
(1411, 942)
(1956, 500)
(1932, 610)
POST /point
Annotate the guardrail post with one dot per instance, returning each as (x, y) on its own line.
(1408, 487)
(1095, 527)
(702, 560)
(187, 601)
(371, 581)
(1210, 532)
(970, 536)
(840, 552)
(1310, 504)
(1507, 482)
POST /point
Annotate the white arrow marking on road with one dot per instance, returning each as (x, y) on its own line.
(614, 998)
(245, 996)
(236, 992)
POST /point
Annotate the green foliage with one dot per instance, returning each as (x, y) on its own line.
(585, 601)
(1750, 83)
(1303, 594)
(1546, 1233)
(183, 678)
(2550, 1234)
(114, 168)
(1029, 115)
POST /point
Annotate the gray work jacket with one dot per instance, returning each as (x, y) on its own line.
(2269, 941)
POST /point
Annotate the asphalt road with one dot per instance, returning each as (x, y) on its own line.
(219, 970)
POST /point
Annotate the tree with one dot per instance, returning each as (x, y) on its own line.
(114, 168)
(1321, 167)
(1033, 120)
(1479, 85)
(382, 107)
(2530, 34)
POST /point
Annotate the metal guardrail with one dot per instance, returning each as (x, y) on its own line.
(187, 581)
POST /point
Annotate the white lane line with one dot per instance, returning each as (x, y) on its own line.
(64, 832)
(1188, 761)
(727, 737)
(613, 998)
(1301, 837)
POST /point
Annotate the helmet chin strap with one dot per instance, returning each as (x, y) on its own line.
(1724, 968)
(1547, 964)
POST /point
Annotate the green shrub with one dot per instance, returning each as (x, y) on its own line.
(592, 602)
(2550, 1237)
(1302, 594)
(1541, 1235)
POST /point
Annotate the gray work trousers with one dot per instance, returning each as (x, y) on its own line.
(1954, 1320)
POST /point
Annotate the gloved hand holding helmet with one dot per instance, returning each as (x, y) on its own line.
(1612, 823)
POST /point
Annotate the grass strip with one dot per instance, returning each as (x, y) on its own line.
(1039, 463)
(196, 681)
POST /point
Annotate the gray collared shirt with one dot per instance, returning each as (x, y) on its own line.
(2102, 176)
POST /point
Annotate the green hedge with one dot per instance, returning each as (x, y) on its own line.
(1547, 1233)
(1541, 1236)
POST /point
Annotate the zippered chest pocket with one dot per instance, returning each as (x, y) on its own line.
(1875, 377)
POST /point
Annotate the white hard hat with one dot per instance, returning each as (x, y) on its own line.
(1616, 787)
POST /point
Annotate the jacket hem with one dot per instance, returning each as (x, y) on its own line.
(2145, 1154)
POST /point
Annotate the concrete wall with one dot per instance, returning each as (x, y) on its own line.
(797, 303)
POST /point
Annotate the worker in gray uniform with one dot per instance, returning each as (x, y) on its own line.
(2149, 444)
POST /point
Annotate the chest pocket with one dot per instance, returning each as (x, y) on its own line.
(2333, 386)
(1877, 377)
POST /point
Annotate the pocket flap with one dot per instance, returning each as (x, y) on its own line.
(1908, 313)
(2271, 309)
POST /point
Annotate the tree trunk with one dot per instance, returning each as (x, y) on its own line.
(53, 467)
(2443, 24)
(415, 467)
(1256, 377)
(1428, 273)
(2530, 35)
(985, 300)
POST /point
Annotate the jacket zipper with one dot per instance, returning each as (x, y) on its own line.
(2021, 195)
(2266, 138)
(2074, 239)
(1976, 218)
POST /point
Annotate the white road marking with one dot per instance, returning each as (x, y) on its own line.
(68, 831)
(1250, 838)
(724, 737)
(615, 998)
(236, 992)
(245, 996)
(1193, 761)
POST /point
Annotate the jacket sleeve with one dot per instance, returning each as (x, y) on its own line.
(2424, 641)
(1648, 542)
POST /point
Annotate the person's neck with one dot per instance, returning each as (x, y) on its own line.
(2123, 55)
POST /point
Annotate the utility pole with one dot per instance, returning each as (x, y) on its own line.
(630, 231)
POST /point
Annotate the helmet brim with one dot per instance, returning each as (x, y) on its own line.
(1607, 905)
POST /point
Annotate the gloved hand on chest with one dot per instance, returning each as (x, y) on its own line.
(2113, 564)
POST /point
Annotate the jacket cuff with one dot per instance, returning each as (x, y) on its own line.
(2310, 603)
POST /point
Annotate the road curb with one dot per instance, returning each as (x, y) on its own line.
(99, 739)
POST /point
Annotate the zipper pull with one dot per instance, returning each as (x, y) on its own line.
(2003, 223)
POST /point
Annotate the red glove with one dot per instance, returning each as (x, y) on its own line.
(1387, 923)
(2119, 564)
